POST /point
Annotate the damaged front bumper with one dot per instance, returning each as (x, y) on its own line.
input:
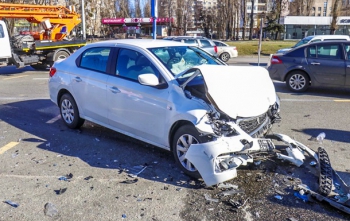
(217, 161)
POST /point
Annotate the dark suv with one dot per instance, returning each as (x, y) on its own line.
(325, 63)
(202, 42)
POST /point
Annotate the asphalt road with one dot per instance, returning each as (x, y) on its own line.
(36, 149)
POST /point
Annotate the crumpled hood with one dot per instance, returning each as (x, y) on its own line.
(239, 91)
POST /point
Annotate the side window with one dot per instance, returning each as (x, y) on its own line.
(2, 33)
(329, 51)
(347, 50)
(311, 52)
(190, 41)
(95, 59)
(316, 40)
(205, 42)
(131, 64)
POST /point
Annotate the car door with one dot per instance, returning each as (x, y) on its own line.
(5, 51)
(347, 53)
(89, 84)
(326, 64)
(137, 110)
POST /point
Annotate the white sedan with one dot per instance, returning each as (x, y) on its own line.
(225, 51)
(171, 95)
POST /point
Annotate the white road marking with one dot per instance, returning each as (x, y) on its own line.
(23, 98)
(7, 147)
(53, 120)
(19, 76)
(41, 78)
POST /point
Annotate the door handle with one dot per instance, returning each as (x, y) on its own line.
(115, 90)
(78, 79)
(315, 63)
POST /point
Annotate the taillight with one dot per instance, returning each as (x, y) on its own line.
(52, 71)
(216, 49)
(234, 48)
(276, 60)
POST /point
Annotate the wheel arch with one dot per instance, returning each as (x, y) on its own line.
(295, 70)
(61, 93)
(174, 128)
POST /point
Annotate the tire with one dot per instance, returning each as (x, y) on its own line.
(189, 135)
(61, 55)
(298, 81)
(69, 112)
(225, 56)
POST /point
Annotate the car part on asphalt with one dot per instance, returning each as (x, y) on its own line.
(11, 203)
(326, 173)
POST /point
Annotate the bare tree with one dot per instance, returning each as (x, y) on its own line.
(251, 26)
(335, 14)
(147, 9)
(138, 9)
(244, 16)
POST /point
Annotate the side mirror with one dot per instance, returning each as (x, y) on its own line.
(148, 79)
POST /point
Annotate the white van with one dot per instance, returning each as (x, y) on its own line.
(315, 38)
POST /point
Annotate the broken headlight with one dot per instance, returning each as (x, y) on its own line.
(220, 126)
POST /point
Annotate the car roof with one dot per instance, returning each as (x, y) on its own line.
(327, 42)
(142, 43)
(327, 36)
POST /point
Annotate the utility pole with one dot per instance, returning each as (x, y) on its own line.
(154, 14)
(83, 19)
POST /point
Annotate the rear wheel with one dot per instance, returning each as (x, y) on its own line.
(184, 137)
(225, 56)
(69, 112)
(298, 81)
(61, 55)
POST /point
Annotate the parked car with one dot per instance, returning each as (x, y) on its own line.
(226, 51)
(325, 63)
(171, 95)
(202, 42)
(315, 38)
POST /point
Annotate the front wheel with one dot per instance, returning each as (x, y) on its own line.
(69, 112)
(61, 55)
(298, 81)
(184, 137)
(225, 56)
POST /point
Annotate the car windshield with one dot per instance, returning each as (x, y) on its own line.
(301, 42)
(178, 59)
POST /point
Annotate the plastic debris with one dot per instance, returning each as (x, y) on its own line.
(230, 192)
(62, 178)
(97, 139)
(50, 210)
(257, 163)
(48, 144)
(134, 173)
(237, 204)
(60, 191)
(292, 219)
(13, 204)
(123, 216)
(130, 181)
(227, 186)
(89, 177)
(207, 197)
(321, 137)
(278, 197)
(313, 163)
(304, 198)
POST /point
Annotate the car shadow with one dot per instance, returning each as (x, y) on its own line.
(341, 93)
(11, 70)
(95, 145)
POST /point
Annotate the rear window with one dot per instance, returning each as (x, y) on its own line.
(95, 59)
(2, 34)
(299, 53)
(205, 42)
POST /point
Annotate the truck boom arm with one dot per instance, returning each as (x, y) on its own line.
(62, 19)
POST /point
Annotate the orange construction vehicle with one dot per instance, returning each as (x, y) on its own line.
(42, 48)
